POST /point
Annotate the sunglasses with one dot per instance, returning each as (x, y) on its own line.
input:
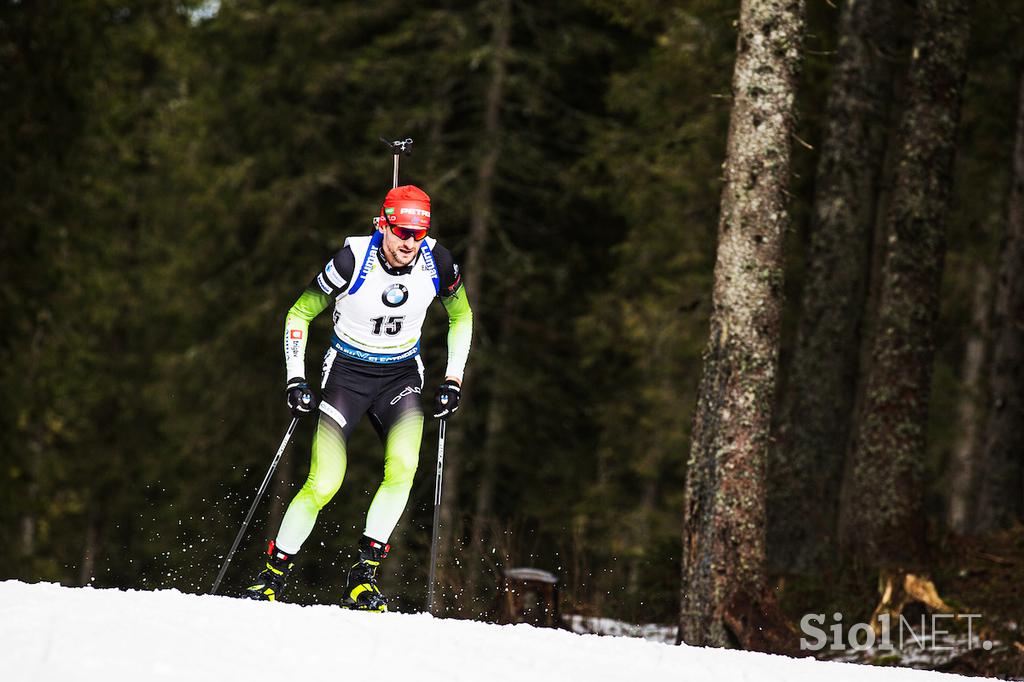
(403, 233)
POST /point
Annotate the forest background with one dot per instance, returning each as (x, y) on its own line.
(174, 173)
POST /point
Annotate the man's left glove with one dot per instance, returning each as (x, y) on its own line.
(300, 399)
(446, 400)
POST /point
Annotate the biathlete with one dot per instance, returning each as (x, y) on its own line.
(381, 287)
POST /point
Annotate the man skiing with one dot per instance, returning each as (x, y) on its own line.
(381, 286)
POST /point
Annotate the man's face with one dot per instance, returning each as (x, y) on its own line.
(398, 252)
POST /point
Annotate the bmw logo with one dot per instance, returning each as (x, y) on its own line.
(395, 295)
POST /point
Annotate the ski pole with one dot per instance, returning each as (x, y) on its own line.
(259, 494)
(437, 514)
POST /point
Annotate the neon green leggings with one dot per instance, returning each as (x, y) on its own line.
(327, 470)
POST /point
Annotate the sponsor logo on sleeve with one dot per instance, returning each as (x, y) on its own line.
(323, 284)
(294, 333)
(333, 276)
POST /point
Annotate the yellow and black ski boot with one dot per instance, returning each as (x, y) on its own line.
(270, 582)
(361, 592)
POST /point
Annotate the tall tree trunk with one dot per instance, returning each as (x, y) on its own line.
(723, 514)
(806, 467)
(1001, 491)
(483, 202)
(880, 237)
(962, 466)
(882, 523)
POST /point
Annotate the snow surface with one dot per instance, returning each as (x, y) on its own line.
(53, 633)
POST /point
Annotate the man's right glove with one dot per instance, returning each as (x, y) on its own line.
(300, 398)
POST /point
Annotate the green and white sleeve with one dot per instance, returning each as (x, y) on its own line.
(296, 330)
(460, 332)
(460, 318)
(330, 283)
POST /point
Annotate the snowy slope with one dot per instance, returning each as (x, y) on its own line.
(53, 633)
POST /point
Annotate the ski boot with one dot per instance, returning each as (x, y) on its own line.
(271, 580)
(361, 591)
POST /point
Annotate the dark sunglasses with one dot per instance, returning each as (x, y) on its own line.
(403, 233)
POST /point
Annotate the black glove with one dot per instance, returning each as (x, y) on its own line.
(446, 400)
(300, 399)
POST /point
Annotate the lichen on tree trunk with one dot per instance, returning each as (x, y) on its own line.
(881, 523)
(723, 524)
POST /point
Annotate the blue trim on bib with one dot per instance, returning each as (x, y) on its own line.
(371, 253)
(376, 358)
(428, 260)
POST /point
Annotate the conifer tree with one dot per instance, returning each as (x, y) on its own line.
(881, 519)
(723, 572)
(807, 464)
